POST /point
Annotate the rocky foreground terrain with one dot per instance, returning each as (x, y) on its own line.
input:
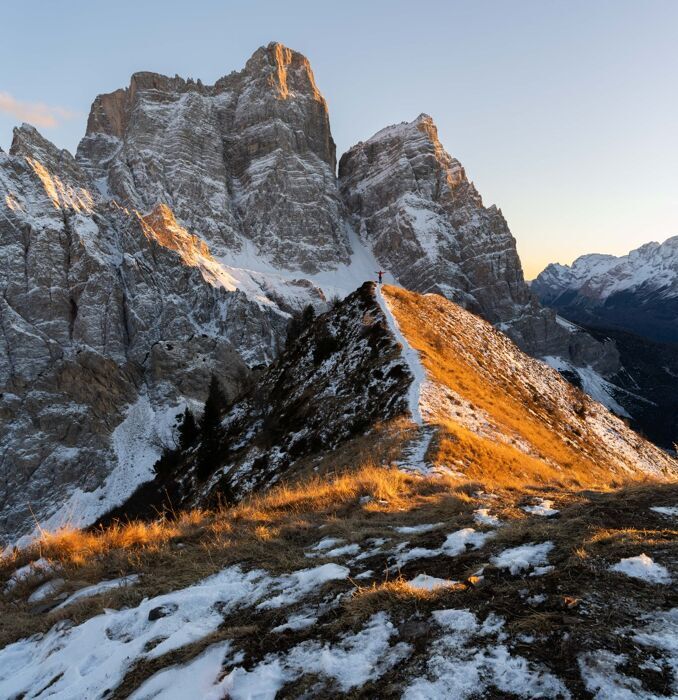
(488, 530)
(191, 223)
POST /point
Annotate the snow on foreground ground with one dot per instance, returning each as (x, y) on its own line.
(416, 603)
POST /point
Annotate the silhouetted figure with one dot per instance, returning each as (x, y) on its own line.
(380, 274)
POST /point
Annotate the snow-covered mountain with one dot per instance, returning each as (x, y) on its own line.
(192, 222)
(637, 292)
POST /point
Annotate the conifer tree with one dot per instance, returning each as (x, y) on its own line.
(188, 430)
(299, 323)
(210, 429)
(307, 317)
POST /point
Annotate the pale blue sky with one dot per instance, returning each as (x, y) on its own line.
(564, 113)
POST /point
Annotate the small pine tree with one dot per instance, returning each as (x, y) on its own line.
(214, 406)
(210, 430)
(298, 324)
(167, 463)
(188, 430)
(307, 316)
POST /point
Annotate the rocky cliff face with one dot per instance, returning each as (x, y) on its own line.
(247, 163)
(425, 221)
(637, 292)
(414, 205)
(111, 321)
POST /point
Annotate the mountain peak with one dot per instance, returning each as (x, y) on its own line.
(26, 140)
(286, 70)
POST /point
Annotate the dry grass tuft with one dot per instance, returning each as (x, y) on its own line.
(397, 597)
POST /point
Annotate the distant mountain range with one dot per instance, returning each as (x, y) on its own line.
(637, 292)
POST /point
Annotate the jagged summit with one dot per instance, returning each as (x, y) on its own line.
(27, 141)
(247, 161)
(425, 221)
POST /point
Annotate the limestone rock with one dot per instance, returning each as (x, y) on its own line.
(101, 309)
(248, 163)
(426, 223)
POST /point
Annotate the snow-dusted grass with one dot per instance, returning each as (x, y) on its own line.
(349, 663)
(98, 588)
(296, 625)
(604, 673)
(424, 582)
(417, 529)
(86, 660)
(668, 511)
(47, 590)
(483, 517)
(332, 547)
(529, 423)
(196, 679)
(644, 568)
(37, 567)
(455, 543)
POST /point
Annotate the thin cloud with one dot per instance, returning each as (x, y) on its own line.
(36, 113)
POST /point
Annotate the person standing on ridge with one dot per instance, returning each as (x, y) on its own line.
(380, 275)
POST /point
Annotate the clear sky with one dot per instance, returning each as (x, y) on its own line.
(563, 112)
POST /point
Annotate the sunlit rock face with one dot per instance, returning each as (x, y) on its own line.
(102, 310)
(248, 164)
(425, 221)
(248, 160)
(191, 221)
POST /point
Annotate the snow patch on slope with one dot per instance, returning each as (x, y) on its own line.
(644, 568)
(455, 544)
(137, 443)
(524, 557)
(603, 671)
(253, 274)
(87, 660)
(458, 668)
(351, 662)
(410, 355)
(592, 383)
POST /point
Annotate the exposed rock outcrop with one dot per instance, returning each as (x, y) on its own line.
(102, 309)
(248, 162)
(425, 221)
